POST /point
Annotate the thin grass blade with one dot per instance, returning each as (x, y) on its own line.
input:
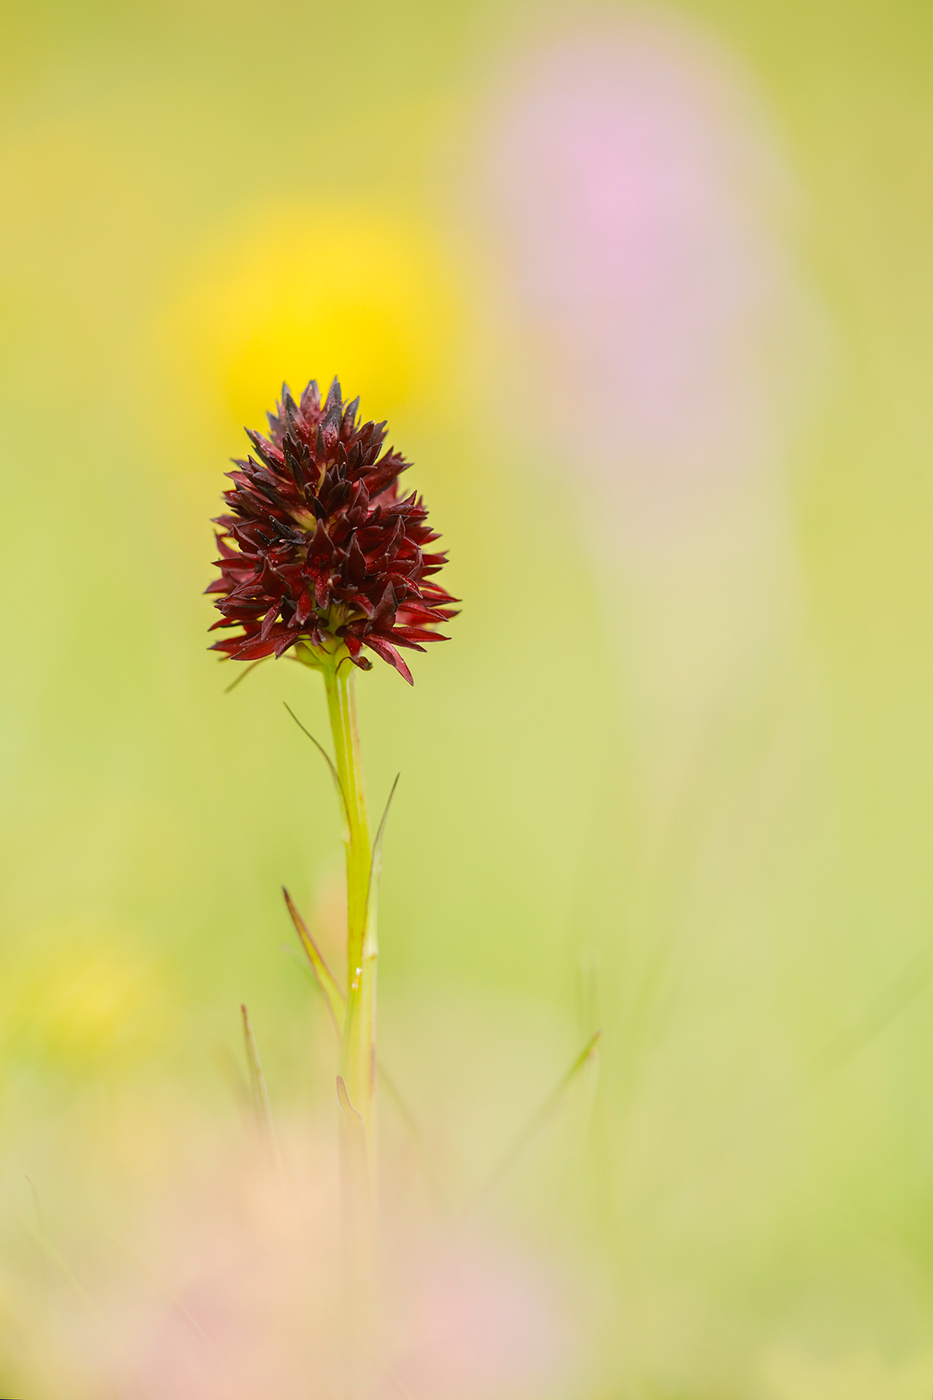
(184, 1313)
(878, 1016)
(537, 1121)
(259, 1094)
(52, 1254)
(411, 1125)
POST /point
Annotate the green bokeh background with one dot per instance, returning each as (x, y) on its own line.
(200, 198)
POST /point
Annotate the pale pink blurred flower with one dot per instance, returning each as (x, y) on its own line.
(647, 298)
(477, 1319)
(231, 1290)
(642, 206)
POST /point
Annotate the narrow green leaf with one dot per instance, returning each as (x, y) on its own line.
(375, 871)
(326, 757)
(323, 976)
(375, 868)
(360, 1024)
(243, 674)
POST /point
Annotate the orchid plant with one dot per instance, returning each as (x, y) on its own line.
(322, 558)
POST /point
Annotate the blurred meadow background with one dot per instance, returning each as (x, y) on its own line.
(647, 295)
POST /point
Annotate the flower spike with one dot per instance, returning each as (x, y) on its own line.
(317, 549)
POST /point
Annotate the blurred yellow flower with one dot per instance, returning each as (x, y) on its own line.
(307, 292)
(80, 994)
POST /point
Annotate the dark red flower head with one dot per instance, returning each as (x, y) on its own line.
(326, 550)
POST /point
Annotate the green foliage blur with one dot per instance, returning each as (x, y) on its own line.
(203, 198)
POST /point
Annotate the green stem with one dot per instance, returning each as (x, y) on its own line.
(358, 1042)
(357, 1080)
